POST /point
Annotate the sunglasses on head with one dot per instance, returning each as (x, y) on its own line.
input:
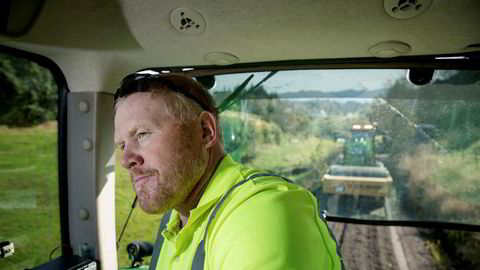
(135, 83)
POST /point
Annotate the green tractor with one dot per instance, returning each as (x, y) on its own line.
(358, 172)
(360, 149)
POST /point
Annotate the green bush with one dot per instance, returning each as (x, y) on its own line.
(239, 137)
(435, 187)
(28, 93)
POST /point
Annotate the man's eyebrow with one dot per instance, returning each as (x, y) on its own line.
(132, 130)
(130, 133)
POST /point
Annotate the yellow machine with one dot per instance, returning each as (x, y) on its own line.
(360, 172)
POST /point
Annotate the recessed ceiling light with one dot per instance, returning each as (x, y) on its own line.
(389, 49)
(221, 58)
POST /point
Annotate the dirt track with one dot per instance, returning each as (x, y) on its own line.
(370, 247)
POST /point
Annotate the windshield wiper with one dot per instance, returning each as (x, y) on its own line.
(230, 100)
(239, 94)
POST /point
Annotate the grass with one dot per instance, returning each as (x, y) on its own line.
(289, 154)
(443, 187)
(460, 174)
(292, 152)
(446, 186)
(29, 206)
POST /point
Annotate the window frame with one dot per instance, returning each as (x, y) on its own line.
(460, 61)
(61, 137)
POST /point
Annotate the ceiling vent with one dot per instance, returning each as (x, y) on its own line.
(405, 9)
(188, 21)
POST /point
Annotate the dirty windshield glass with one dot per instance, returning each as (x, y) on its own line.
(368, 144)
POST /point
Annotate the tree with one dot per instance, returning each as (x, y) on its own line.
(28, 92)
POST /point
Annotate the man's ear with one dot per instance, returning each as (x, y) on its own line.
(209, 129)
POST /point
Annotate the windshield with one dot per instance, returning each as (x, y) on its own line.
(368, 144)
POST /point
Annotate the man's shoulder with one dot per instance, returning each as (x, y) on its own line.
(253, 186)
(270, 221)
(259, 180)
(261, 187)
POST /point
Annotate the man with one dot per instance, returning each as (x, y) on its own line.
(225, 215)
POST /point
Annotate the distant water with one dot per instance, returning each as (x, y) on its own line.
(339, 100)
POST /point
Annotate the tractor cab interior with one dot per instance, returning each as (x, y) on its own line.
(373, 107)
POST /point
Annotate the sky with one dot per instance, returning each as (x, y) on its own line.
(321, 80)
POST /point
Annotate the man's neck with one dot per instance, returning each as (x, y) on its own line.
(194, 197)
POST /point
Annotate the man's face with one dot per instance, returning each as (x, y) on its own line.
(164, 157)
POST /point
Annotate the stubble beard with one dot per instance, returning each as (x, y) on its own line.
(172, 187)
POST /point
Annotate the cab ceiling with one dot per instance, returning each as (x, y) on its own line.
(105, 40)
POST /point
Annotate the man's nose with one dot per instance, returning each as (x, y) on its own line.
(131, 157)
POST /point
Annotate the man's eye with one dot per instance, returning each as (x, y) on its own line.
(141, 135)
(122, 146)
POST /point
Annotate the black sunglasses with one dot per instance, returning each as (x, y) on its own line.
(135, 83)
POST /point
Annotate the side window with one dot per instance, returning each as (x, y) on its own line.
(29, 203)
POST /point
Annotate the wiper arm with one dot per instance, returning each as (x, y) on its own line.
(238, 95)
(258, 84)
(230, 100)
